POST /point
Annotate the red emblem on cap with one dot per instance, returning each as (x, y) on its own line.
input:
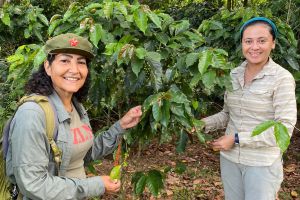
(73, 42)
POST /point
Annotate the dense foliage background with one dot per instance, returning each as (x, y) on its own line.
(173, 57)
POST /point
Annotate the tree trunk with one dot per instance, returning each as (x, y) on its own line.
(1, 3)
(229, 4)
(245, 3)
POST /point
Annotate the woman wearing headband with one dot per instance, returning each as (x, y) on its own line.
(251, 167)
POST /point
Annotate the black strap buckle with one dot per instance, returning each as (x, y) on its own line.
(14, 192)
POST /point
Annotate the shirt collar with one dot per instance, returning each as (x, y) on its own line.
(268, 69)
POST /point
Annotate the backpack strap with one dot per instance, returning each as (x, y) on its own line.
(51, 128)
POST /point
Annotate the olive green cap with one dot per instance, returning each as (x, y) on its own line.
(69, 43)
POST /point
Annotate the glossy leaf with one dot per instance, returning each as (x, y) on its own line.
(108, 9)
(5, 18)
(43, 19)
(209, 78)
(177, 109)
(195, 80)
(71, 10)
(156, 111)
(140, 53)
(122, 8)
(165, 119)
(53, 26)
(262, 127)
(204, 61)
(39, 58)
(136, 66)
(96, 34)
(191, 58)
(140, 185)
(282, 136)
(115, 173)
(154, 182)
(141, 20)
(182, 142)
(155, 19)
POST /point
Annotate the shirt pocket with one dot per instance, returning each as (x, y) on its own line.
(259, 100)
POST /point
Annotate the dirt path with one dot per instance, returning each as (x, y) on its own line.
(201, 178)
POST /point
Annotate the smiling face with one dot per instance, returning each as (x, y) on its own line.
(257, 44)
(68, 73)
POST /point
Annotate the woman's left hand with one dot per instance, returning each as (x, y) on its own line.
(223, 143)
(131, 118)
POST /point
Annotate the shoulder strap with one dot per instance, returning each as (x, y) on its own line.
(50, 116)
(48, 110)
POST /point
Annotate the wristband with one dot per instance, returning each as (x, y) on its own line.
(236, 138)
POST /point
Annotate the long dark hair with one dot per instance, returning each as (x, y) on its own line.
(41, 83)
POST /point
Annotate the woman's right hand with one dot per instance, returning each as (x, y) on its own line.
(111, 186)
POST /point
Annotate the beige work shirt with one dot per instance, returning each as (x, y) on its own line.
(270, 96)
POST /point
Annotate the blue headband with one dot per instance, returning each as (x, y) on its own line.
(262, 19)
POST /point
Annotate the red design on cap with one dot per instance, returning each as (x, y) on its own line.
(73, 42)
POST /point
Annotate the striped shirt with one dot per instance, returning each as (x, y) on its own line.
(270, 96)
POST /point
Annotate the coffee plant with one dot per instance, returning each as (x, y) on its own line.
(141, 57)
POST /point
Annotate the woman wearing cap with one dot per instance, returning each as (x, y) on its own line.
(251, 167)
(64, 79)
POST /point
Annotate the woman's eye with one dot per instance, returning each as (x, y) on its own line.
(261, 41)
(82, 62)
(64, 61)
(248, 41)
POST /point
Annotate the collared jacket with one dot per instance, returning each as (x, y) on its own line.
(270, 96)
(29, 162)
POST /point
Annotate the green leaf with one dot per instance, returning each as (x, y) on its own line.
(209, 78)
(53, 26)
(155, 19)
(154, 58)
(282, 136)
(191, 58)
(204, 61)
(115, 173)
(150, 101)
(141, 20)
(165, 113)
(182, 142)
(180, 167)
(5, 18)
(93, 6)
(156, 111)
(177, 109)
(71, 10)
(201, 137)
(43, 19)
(39, 58)
(262, 127)
(96, 34)
(110, 48)
(293, 62)
(108, 9)
(178, 97)
(140, 185)
(136, 66)
(154, 182)
(140, 52)
(195, 80)
(162, 38)
(179, 27)
(122, 8)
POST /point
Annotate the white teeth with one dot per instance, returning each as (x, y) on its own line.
(71, 79)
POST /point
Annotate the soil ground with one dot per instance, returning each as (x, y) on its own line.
(201, 179)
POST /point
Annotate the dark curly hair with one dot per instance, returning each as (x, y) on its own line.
(41, 83)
